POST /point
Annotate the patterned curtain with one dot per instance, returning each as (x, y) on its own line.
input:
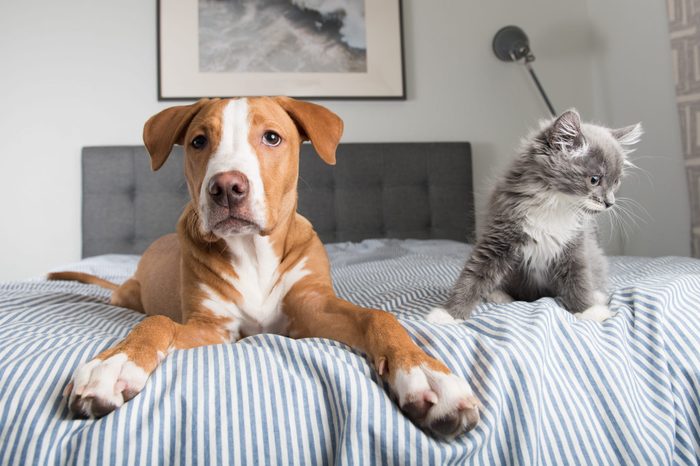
(684, 19)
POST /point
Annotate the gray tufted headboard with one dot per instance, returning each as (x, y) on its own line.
(376, 190)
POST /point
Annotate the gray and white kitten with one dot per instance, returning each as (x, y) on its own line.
(540, 234)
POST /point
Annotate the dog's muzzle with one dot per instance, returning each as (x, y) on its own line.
(228, 204)
(228, 189)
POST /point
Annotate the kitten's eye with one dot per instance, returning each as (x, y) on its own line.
(199, 142)
(595, 180)
(272, 139)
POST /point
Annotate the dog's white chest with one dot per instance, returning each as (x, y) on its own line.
(260, 285)
(550, 226)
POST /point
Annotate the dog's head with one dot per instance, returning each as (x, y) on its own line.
(242, 156)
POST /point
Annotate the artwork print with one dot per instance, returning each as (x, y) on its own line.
(290, 36)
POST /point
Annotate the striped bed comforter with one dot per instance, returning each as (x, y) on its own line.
(554, 390)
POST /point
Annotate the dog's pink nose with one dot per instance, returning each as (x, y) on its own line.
(228, 188)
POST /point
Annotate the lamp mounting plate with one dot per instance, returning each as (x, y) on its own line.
(511, 44)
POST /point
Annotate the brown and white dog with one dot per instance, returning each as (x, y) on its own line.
(244, 262)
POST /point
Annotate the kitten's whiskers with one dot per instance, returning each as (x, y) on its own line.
(636, 169)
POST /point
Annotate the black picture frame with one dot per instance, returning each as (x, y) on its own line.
(165, 95)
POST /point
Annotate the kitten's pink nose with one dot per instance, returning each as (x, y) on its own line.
(609, 200)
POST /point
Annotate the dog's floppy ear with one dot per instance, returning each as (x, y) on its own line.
(167, 128)
(316, 124)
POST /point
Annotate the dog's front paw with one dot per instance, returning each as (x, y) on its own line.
(101, 386)
(597, 312)
(439, 402)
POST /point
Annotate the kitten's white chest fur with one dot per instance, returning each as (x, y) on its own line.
(551, 223)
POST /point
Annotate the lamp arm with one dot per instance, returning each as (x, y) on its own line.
(510, 44)
(539, 87)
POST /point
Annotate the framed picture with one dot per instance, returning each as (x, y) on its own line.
(315, 49)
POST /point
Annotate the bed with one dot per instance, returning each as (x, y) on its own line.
(397, 219)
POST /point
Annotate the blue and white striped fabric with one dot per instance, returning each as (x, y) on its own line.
(554, 390)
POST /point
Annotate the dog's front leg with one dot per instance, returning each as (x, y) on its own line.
(429, 394)
(116, 375)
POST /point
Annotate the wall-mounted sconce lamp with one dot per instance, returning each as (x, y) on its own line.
(511, 44)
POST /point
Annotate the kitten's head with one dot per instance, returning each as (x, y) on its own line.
(583, 161)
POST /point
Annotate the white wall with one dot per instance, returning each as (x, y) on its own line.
(79, 73)
(633, 81)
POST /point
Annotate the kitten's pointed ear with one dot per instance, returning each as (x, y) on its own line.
(629, 135)
(565, 134)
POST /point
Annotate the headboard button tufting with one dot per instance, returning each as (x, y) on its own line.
(376, 189)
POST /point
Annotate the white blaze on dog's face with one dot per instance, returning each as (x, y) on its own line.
(233, 152)
(242, 156)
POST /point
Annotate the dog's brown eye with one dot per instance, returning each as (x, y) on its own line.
(199, 142)
(272, 139)
(595, 180)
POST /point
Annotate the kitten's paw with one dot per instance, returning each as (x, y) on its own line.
(461, 309)
(600, 298)
(439, 315)
(499, 297)
(597, 312)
